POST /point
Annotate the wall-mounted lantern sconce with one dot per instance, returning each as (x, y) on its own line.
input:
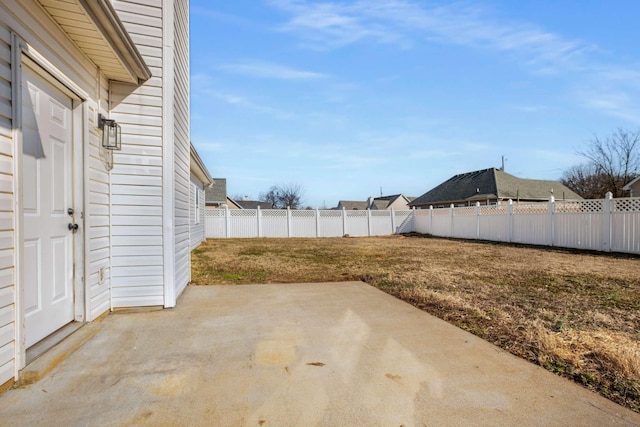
(111, 138)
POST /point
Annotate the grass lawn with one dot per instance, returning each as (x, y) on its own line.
(575, 313)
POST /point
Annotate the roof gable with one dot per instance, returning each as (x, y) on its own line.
(492, 184)
(217, 193)
(464, 186)
(353, 205)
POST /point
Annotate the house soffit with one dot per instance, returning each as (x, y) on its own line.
(94, 26)
(199, 169)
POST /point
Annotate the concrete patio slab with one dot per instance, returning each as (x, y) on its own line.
(334, 354)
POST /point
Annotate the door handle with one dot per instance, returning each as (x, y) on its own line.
(73, 227)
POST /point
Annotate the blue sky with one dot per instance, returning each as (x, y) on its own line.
(346, 97)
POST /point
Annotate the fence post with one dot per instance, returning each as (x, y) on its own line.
(551, 210)
(510, 221)
(259, 219)
(344, 221)
(393, 222)
(369, 222)
(288, 221)
(227, 222)
(477, 220)
(452, 208)
(413, 218)
(607, 211)
(430, 219)
(317, 222)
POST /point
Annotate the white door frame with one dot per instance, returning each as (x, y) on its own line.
(23, 53)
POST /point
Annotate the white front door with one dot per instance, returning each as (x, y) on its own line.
(47, 187)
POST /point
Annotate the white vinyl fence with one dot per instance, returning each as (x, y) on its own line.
(222, 223)
(611, 225)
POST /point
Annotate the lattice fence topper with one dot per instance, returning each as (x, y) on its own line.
(579, 206)
(530, 208)
(465, 211)
(214, 213)
(331, 214)
(303, 214)
(494, 210)
(627, 205)
(273, 213)
(441, 211)
(357, 214)
(242, 213)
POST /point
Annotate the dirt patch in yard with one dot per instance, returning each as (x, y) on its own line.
(575, 313)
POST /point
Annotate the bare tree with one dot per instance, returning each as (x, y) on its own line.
(616, 157)
(585, 181)
(283, 196)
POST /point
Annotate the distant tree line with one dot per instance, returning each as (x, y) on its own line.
(283, 196)
(611, 163)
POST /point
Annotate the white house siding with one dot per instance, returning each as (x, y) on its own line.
(35, 27)
(182, 145)
(99, 240)
(196, 229)
(137, 277)
(7, 285)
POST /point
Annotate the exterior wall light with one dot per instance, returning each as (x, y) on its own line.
(111, 133)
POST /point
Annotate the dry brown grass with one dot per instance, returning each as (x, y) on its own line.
(575, 313)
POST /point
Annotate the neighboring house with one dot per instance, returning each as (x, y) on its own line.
(252, 204)
(397, 202)
(633, 188)
(489, 187)
(201, 181)
(84, 229)
(353, 205)
(216, 195)
(232, 204)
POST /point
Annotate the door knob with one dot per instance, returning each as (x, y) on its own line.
(73, 227)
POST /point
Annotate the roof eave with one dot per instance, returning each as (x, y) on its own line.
(108, 23)
(199, 169)
(630, 184)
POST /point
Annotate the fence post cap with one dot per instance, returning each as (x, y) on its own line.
(609, 195)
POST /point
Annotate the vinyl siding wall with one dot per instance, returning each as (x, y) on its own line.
(7, 283)
(196, 229)
(34, 26)
(182, 145)
(136, 178)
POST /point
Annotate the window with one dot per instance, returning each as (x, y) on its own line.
(197, 205)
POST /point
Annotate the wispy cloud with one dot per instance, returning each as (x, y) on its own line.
(614, 103)
(329, 25)
(243, 102)
(528, 108)
(610, 89)
(270, 71)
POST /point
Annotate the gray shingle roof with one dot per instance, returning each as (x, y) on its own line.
(380, 204)
(253, 204)
(352, 205)
(492, 184)
(217, 193)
